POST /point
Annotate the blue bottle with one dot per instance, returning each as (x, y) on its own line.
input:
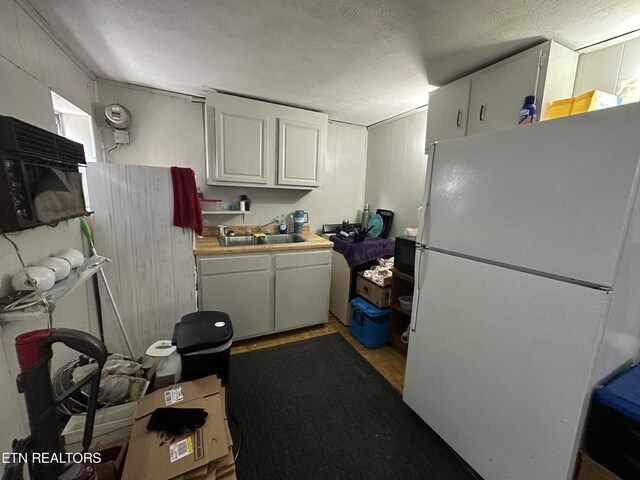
(528, 111)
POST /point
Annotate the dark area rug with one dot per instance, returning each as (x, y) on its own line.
(316, 409)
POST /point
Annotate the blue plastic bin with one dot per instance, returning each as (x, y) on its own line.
(368, 323)
(613, 426)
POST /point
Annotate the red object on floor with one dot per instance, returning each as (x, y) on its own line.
(186, 206)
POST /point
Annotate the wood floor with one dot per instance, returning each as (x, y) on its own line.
(387, 359)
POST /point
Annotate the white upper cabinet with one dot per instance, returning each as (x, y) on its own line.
(241, 145)
(260, 144)
(299, 152)
(450, 105)
(497, 94)
(494, 95)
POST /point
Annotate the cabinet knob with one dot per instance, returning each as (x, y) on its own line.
(459, 118)
(483, 107)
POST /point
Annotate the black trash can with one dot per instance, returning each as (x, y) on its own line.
(203, 340)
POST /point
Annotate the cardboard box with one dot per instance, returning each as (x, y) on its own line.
(587, 102)
(592, 470)
(560, 108)
(112, 457)
(193, 455)
(593, 100)
(379, 296)
(110, 424)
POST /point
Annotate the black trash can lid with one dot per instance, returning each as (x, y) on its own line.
(202, 331)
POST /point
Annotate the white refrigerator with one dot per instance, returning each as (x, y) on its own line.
(527, 288)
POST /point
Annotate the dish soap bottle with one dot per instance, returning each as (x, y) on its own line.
(528, 111)
(365, 216)
(290, 222)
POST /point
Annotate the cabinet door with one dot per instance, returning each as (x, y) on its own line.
(245, 296)
(299, 152)
(497, 94)
(241, 144)
(448, 109)
(302, 296)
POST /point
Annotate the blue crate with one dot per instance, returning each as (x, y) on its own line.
(368, 323)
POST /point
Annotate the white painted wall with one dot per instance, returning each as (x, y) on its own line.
(168, 129)
(31, 64)
(396, 168)
(604, 68)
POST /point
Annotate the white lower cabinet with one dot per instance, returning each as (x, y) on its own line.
(267, 292)
(241, 287)
(302, 291)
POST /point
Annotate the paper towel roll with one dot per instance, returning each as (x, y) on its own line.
(60, 266)
(73, 256)
(43, 276)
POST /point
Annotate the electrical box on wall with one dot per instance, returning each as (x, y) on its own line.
(121, 137)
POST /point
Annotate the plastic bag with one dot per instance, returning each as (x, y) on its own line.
(120, 381)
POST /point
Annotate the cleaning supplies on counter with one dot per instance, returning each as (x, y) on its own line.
(366, 215)
(528, 111)
(282, 224)
(290, 223)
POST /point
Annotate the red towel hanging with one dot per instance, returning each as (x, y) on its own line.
(186, 207)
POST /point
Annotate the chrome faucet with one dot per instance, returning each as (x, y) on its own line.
(275, 220)
(222, 230)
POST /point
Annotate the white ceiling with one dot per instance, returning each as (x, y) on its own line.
(361, 61)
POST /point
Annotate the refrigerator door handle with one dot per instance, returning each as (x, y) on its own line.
(416, 291)
(424, 210)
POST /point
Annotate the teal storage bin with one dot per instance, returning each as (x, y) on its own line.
(368, 323)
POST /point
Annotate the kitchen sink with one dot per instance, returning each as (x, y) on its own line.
(266, 240)
(282, 238)
(235, 241)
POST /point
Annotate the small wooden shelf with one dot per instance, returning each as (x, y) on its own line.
(228, 212)
(401, 284)
(398, 308)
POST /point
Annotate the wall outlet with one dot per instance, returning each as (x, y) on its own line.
(121, 137)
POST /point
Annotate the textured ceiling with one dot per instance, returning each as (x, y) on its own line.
(361, 61)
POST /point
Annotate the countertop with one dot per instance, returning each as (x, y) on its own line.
(209, 245)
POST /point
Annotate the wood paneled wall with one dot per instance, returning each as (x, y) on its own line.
(604, 68)
(168, 129)
(152, 272)
(396, 168)
(31, 65)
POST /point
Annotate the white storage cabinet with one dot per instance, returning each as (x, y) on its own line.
(490, 99)
(266, 292)
(261, 144)
(241, 286)
(302, 289)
